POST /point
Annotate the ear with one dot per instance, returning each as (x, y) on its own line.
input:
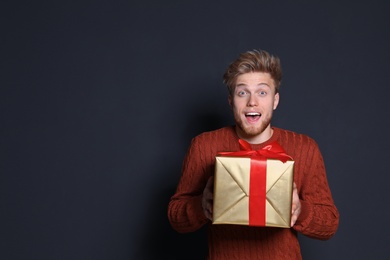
(276, 100)
(230, 100)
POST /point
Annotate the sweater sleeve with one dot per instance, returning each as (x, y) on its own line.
(185, 211)
(319, 216)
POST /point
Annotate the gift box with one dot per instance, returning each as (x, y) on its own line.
(253, 187)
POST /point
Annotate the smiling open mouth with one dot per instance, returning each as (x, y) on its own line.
(252, 116)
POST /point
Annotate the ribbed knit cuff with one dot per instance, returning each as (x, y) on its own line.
(306, 214)
(198, 210)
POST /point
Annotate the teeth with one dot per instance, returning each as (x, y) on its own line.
(252, 114)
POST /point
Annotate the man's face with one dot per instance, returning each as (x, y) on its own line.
(253, 102)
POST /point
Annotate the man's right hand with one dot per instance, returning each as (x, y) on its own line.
(207, 199)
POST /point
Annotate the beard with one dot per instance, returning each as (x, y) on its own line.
(253, 130)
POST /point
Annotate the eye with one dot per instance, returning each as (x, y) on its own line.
(262, 93)
(241, 93)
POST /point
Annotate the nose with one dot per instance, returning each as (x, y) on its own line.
(252, 101)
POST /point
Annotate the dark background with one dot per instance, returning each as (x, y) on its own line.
(100, 99)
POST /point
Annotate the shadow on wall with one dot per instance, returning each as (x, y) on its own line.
(161, 241)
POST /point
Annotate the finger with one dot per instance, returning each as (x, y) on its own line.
(208, 212)
(293, 220)
(210, 182)
(208, 195)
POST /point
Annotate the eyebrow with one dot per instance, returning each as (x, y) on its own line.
(260, 84)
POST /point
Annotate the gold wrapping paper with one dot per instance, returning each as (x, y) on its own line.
(231, 191)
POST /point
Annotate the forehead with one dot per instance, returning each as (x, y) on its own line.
(255, 79)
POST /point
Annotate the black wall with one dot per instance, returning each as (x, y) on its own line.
(100, 99)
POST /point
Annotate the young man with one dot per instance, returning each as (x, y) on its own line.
(253, 82)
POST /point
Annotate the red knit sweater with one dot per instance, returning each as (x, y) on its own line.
(319, 216)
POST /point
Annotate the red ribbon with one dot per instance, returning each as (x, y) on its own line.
(258, 176)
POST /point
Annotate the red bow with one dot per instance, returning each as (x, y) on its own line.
(271, 151)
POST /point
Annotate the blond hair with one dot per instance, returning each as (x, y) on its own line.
(253, 61)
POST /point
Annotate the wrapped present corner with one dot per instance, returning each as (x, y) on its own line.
(253, 187)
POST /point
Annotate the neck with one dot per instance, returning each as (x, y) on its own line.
(256, 139)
